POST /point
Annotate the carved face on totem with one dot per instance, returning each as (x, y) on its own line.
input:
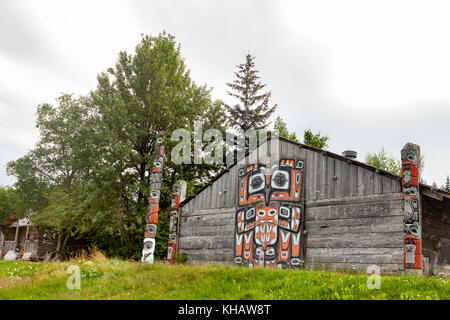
(150, 230)
(149, 249)
(159, 155)
(153, 207)
(269, 220)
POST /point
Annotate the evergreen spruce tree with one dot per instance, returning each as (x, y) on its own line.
(447, 184)
(253, 111)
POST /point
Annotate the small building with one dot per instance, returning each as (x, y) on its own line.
(21, 236)
(320, 210)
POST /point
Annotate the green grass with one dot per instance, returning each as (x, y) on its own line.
(116, 279)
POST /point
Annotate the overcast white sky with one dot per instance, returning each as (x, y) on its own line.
(367, 73)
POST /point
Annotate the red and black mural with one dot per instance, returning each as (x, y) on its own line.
(269, 221)
(411, 207)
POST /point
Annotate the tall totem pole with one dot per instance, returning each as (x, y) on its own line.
(151, 221)
(178, 195)
(411, 206)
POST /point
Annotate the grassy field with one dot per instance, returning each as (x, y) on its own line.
(115, 279)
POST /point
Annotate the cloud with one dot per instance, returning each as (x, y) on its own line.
(368, 74)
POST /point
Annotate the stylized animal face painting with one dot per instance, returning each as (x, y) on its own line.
(411, 208)
(150, 230)
(269, 221)
(149, 249)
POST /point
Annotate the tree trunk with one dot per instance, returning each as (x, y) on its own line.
(65, 241)
(58, 246)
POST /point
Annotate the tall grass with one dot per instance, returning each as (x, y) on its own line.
(103, 278)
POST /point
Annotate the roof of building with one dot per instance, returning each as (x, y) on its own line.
(430, 191)
(14, 221)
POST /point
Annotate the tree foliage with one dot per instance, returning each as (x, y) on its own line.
(383, 161)
(8, 202)
(387, 162)
(88, 176)
(315, 140)
(282, 129)
(253, 109)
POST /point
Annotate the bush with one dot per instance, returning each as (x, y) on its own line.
(181, 258)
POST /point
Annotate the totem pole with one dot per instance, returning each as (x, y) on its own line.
(411, 206)
(178, 195)
(151, 221)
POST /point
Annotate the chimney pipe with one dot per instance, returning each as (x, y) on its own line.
(350, 154)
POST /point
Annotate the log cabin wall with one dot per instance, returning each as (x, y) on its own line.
(435, 231)
(353, 214)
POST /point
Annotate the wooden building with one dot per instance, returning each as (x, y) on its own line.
(21, 236)
(339, 213)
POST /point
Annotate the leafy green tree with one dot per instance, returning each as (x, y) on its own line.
(47, 174)
(8, 201)
(281, 126)
(389, 163)
(315, 140)
(383, 161)
(145, 93)
(89, 175)
(253, 109)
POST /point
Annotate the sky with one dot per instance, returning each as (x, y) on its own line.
(369, 74)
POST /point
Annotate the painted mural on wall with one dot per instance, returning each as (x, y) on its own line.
(173, 228)
(411, 206)
(151, 221)
(269, 220)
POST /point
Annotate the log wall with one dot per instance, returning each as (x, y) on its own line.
(353, 215)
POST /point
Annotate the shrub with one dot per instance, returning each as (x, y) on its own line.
(181, 258)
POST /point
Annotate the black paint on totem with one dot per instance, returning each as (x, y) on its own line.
(269, 220)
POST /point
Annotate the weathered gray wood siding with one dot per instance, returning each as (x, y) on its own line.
(355, 232)
(360, 208)
(435, 231)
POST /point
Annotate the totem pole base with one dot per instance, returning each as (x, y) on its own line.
(414, 272)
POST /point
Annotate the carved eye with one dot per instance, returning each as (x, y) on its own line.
(280, 180)
(410, 190)
(412, 229)
(284, 212)
(250, 213)
(159, 140)
(154, 194)
(256, 183)
(157, 164)
(261, 213)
